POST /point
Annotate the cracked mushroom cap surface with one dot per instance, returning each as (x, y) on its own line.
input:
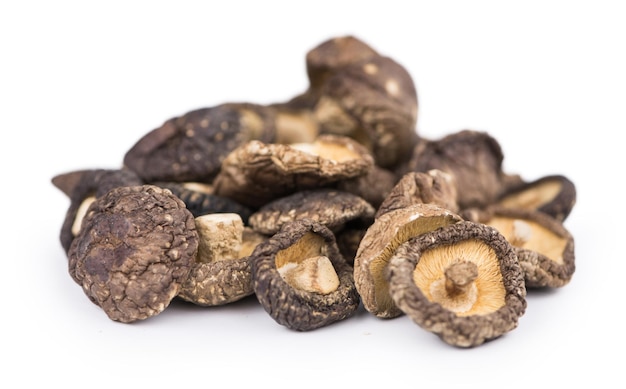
(473, 158)
(221, 272)
(434, 186)
(553, 194)
(374, 102)
(378, 244)
(257, 172)
(134, 251)
(333, 208)
(545, 248)
(301, 279)
(191, 147)
(83, 187)
(462, 282)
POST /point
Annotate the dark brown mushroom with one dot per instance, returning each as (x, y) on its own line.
(83, 187)
(544, 246)
(554, 195)
(380, 241)
(330, 207)
(221, 273)
(373, 187)
(301, 279)
(201, 200)
(257, 173)
(134, 250)
(434, 187)
(462, 282)
(473, 158)
(373, 101)
(191, 147)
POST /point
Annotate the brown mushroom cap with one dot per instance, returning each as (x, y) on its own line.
(375, 102)
(462, 282)
(373, 187)
(290, 306)
(258, 172)
(134, 251)
(434, 186)
(191, 147)
(333, 208)
(221, 273)
(544, 246)
(380, 242)
(83, 187)
(553, 194)
(473, 158)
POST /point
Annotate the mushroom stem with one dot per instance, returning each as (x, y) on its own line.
(521, 233)
(459, 277)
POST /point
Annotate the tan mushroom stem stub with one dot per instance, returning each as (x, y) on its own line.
(304, 266)
(221, 236)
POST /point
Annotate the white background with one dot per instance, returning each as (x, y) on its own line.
(80, 82)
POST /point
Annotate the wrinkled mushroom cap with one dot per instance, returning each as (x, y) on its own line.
(191, 147)
(380, 242)
(462, 282)
(553, 194)
(135, 249)
(473, 158)
(83, 187)
(434, 186)
(298, 309)
(258, 172)
(375, 102)
(544, 246)
(333, 208)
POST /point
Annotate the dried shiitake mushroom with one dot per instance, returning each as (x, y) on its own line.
(380, 241)
(473, 158)
(221, 272)
(134, 250)
(301, 279)
(544, 246)
(553, 194)
(434, 186)
(333, 208)
(373, 187)
(191, 147)
(201, 200)
(83, 187)
(257, 172)
(373, 101)
(462, 282)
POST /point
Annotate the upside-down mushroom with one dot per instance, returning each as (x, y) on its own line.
(462, 282)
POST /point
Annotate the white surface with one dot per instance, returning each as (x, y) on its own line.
(80, 83)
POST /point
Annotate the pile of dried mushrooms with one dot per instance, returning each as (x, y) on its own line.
(317, 205)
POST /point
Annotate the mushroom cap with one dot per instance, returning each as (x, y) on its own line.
(191, 147)
(494, 298)
(379, 243)
(434, 186)
(553, 194)
(544, 246)
(257, 173)
(84, 186)
(473, 158)
(333, 208)
(373, 187)
(375, 102)
(292, 307)
(135, 249)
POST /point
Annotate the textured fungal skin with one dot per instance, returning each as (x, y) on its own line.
(135, 249)
(80, 184)
(473, 158)
(293, 308)
(456, 330)
(191, 147)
